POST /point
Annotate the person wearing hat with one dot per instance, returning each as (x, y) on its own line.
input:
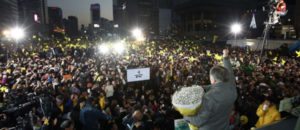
(243, 120)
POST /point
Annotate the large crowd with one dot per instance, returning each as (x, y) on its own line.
(71, 85)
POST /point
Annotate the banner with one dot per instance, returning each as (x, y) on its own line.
(139, 74)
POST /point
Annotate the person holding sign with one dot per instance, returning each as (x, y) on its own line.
(218, 100)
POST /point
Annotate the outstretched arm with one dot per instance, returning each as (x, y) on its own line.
(228, 66)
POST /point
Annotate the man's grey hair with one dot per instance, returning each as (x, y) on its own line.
(219, 73)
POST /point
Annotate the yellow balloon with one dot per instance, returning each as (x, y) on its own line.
(218, 57)
(298, 53)
(283, 61)
(244, 119)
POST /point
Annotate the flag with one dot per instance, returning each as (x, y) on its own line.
(253, 23)
(3, 89)
(208, 53)
(161, 52)
(8, 71)
(270, 53)
(218, 57)
(283, 61)
(298, 53)
(192, 59)
(275, 60)
(170, 57)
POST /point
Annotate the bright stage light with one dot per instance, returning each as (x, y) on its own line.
(142, 38)
(6, 33)
(119, 47)
(116, 26)
(103, 49)
(96, 26)
(236, 28)
(138, 34)
(17, 33)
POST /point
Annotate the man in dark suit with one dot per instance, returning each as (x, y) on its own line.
(218, 101)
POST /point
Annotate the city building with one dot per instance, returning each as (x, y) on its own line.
(33, 15)
(106, 25)
(72, 26)
(55, 20)
(66, 26)
(165, 16)
(95, 14)
(119, 15)
(137, 13)
(9, 14)
(204, 19)
(83, 30)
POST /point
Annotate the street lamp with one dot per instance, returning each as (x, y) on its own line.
(236, 28)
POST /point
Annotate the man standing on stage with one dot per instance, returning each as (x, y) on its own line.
(218, 101)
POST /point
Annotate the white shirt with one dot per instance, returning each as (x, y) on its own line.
(109, 90)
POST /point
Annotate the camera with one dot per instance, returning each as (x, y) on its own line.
(18, 107)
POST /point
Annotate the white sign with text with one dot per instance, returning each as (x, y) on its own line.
(139, 74)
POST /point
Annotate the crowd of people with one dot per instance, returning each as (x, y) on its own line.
(71, 85)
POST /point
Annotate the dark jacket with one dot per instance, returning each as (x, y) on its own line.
(90, 117)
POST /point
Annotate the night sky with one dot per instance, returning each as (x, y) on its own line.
(81, 9)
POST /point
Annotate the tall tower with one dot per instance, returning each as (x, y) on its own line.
(143, 13)
(95, 13)
(73, 26)
(33, 13)
(119, 13)
(55, 18)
